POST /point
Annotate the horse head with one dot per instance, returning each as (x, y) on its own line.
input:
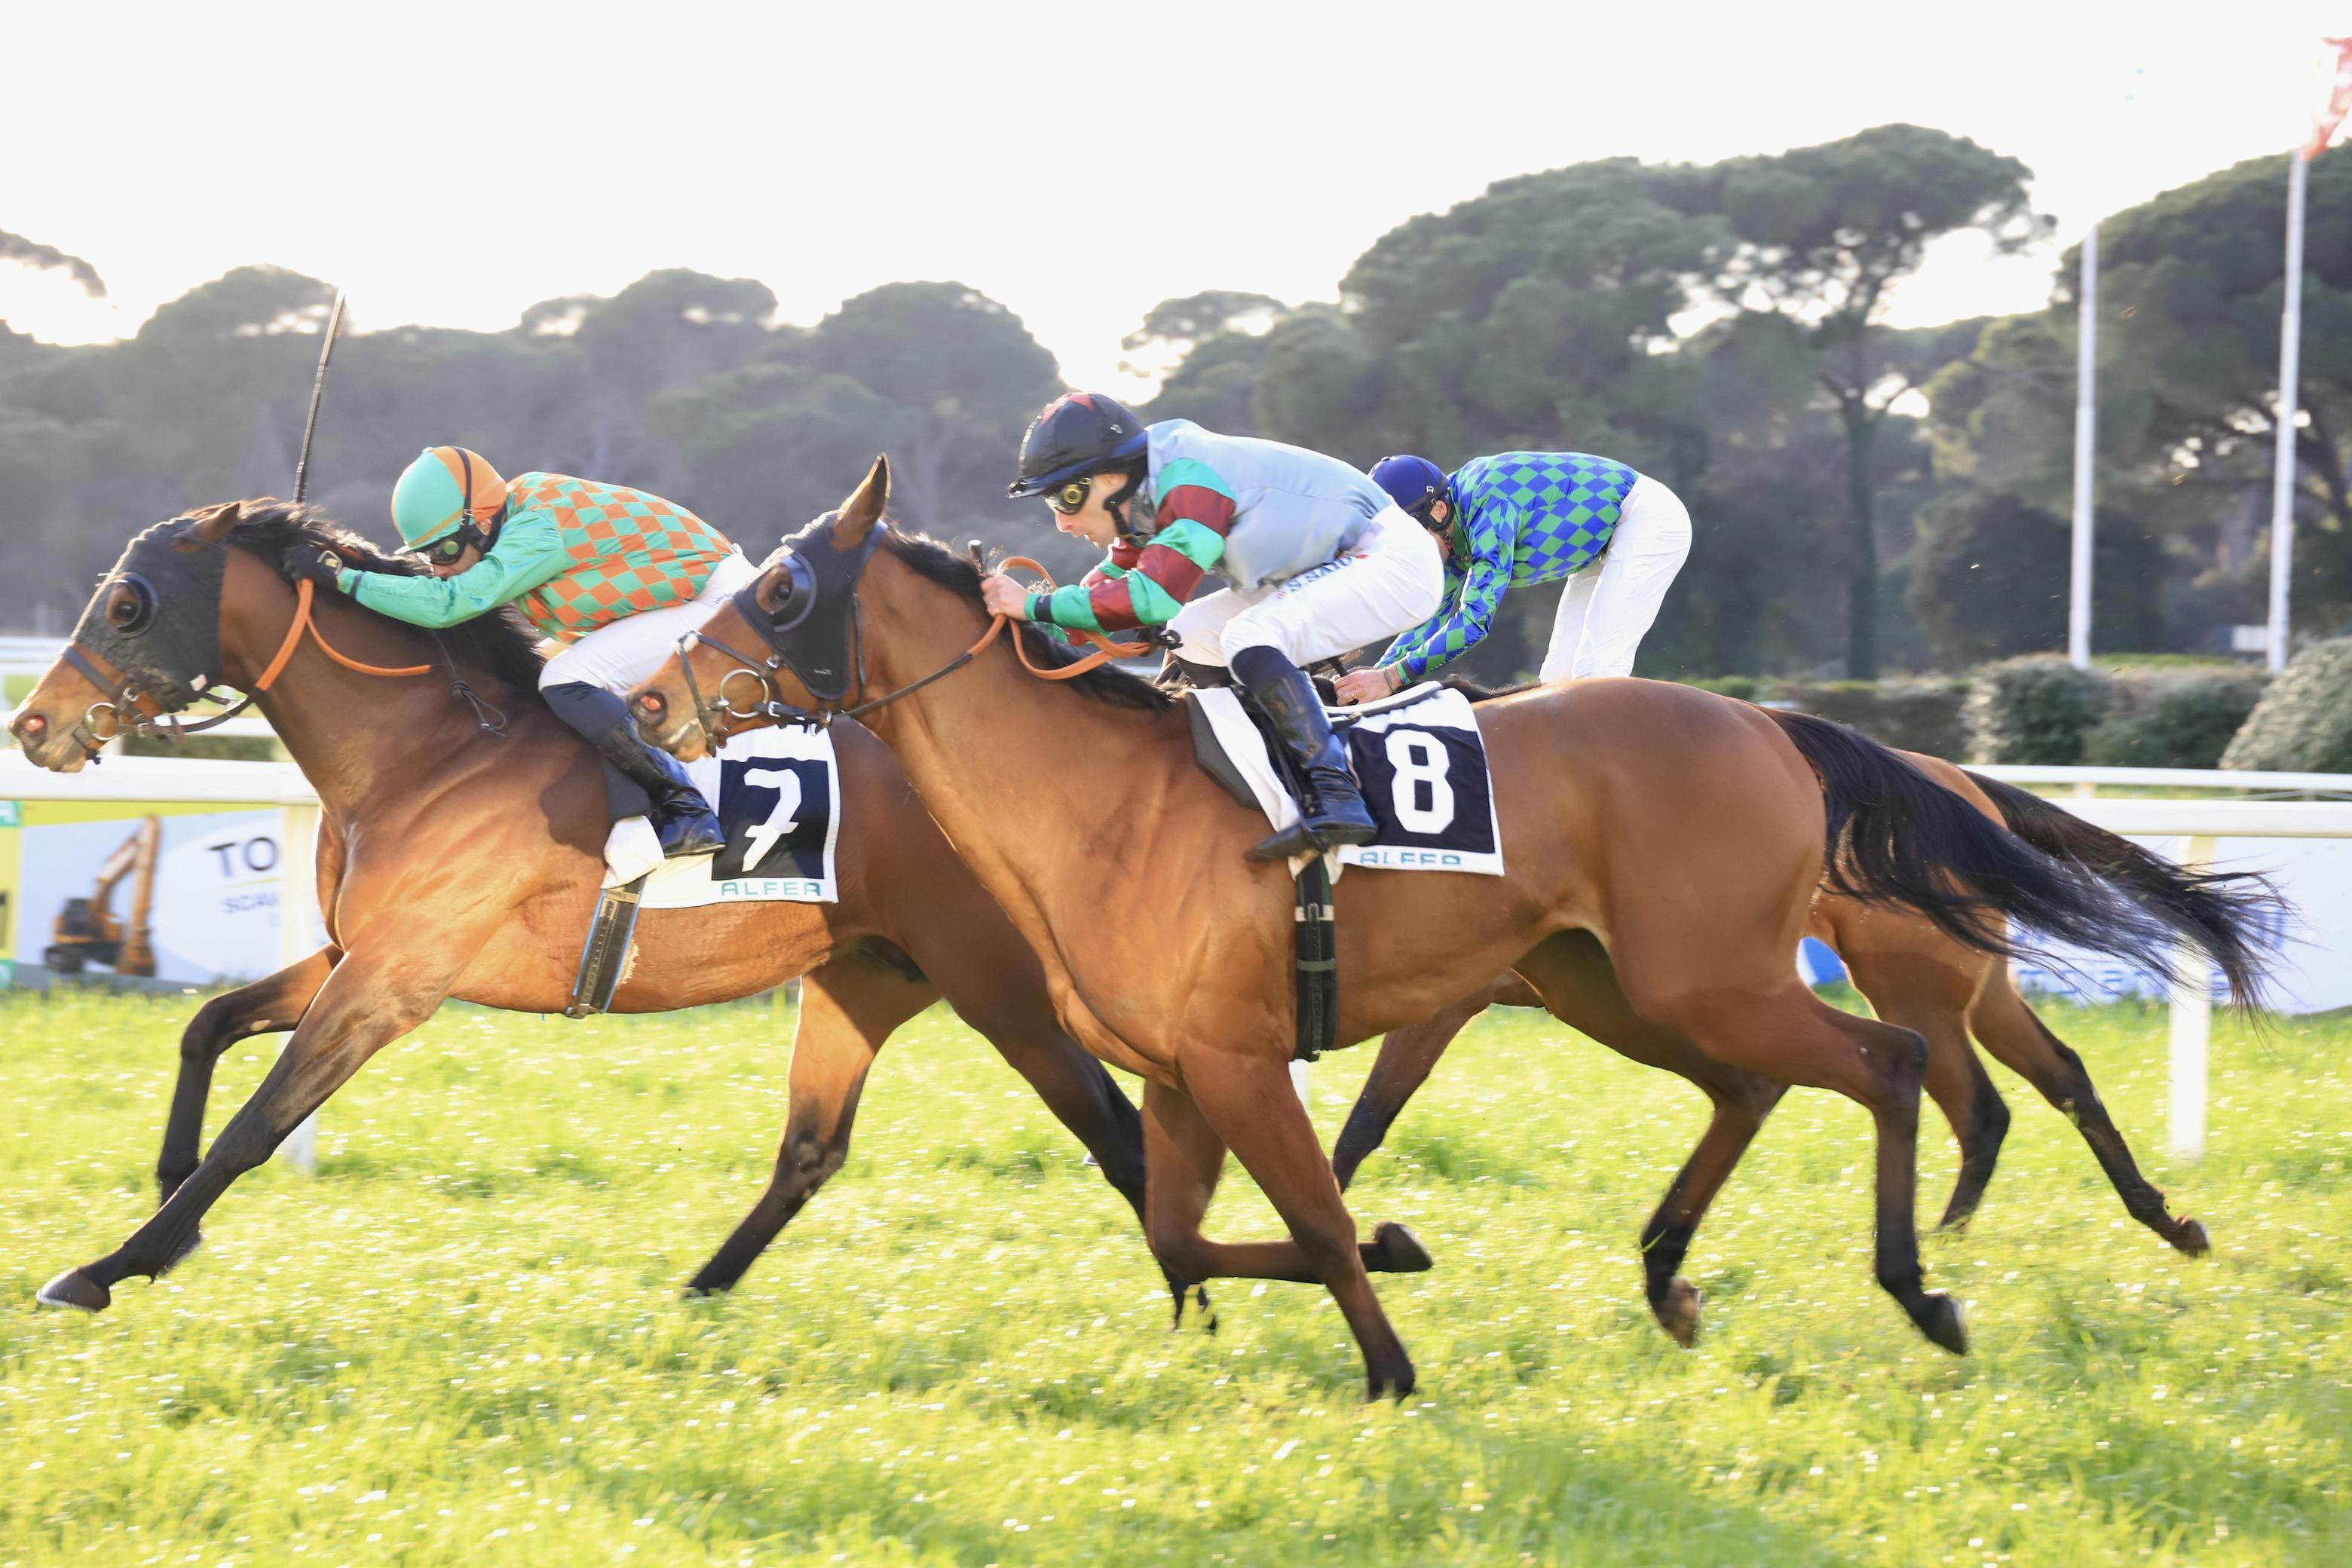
(148, 644)
(787, 647)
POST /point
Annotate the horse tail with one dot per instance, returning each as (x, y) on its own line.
(2222, 912)
(1894, 836)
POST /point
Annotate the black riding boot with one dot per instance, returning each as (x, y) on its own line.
(682, 819)
(1332, 809)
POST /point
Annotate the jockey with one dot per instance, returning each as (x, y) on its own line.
(1535, 517)
(1319, 560)
(614, 575)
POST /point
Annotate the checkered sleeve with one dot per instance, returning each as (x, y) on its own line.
(529, 551)
(1456, 629)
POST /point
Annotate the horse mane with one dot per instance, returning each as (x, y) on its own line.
(929, 559)
(501, 643)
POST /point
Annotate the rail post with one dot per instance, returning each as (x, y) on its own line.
(2192, 1029)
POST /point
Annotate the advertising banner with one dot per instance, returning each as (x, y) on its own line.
(171, 894)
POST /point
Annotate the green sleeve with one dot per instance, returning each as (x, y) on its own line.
(530, 552)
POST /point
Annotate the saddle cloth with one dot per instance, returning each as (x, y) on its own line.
(778, 795)
(1417, 756)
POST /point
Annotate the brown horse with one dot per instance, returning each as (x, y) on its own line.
(1912, 973)
(457, 863)
(1684, 832)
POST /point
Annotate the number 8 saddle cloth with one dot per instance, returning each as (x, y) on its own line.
(1417, 756)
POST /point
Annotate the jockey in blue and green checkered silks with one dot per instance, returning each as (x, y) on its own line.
(1517, 518)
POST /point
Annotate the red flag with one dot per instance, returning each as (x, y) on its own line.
(2338, 103)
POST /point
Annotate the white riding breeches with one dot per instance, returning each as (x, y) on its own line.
(1606, 609)
(1391, 581)
(619, 654)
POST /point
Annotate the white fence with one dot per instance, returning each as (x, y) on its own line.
(2199, 822)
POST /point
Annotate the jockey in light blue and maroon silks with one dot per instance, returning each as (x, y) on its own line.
(1319, 559)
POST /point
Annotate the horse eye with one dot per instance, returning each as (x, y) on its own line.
(127, 607)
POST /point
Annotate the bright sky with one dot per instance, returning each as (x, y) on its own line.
(452, 164)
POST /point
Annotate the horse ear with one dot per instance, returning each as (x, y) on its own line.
(209, 525)
(864, 508)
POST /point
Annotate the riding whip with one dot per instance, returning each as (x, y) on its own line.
(318, 390)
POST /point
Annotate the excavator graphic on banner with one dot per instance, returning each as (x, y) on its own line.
(85, 930)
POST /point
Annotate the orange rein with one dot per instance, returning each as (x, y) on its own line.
(303, 591)
(1105, 649)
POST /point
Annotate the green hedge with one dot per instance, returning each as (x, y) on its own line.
(1925, 715)
(2035, 710)
(2304, 724)
(2172, 718)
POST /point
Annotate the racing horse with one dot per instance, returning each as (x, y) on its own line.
(1912, 973)
(1684, 832)
(457, 862)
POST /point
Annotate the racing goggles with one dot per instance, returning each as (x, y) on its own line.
(1070, 498)
(445, 551)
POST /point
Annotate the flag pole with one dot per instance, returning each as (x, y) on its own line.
(2290, 366)
(2086, 422)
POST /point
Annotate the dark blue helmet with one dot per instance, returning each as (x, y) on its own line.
(1412, 483)
(1080, 433)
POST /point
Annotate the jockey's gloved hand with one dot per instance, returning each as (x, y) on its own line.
(314, 562)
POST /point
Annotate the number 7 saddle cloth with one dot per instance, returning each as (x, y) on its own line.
(778, 795)
(1417, 756)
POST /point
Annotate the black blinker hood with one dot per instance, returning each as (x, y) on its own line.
(174, 653)
(813, 631)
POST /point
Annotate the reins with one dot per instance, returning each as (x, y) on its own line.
(776, 709)
(154, 719)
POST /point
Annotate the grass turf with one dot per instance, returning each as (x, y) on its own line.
(463, 1342)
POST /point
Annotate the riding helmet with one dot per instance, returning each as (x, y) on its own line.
(1080, 433)
(1412, 482)
(441, 490)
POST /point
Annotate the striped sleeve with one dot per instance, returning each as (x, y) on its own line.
(1195, 511)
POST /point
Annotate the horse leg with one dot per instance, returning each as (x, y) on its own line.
(993, 979)
(849, 1007)
(1920, 986)
(1740, 1107)
(2018, 1037)
(266, 1006)
(1406, 1057)
(1786, 1033)
(1577, 982)
(1243, 1104)
(362, 1007)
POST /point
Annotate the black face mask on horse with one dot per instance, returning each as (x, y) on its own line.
(155, 622)
(813, 630)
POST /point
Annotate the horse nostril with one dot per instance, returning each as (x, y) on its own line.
(30, 726)
(651, 705)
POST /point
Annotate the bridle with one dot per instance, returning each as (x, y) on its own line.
(156, 718)
(717, 716)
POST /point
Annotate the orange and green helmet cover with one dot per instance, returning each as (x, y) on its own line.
(436, 493)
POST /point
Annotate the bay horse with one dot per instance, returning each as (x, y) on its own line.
(1686, 832)
(1912, 973)
(453, 862)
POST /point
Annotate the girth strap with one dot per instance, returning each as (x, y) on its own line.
(1314, 958)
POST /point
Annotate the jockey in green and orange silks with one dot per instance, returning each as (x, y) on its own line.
(614, 575)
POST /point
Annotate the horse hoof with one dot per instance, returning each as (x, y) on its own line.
(75, 1289)
(1677, 1311)
(1939, 1319)
(2191, 1239)
(1400, 1251)
(1399, 1388)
